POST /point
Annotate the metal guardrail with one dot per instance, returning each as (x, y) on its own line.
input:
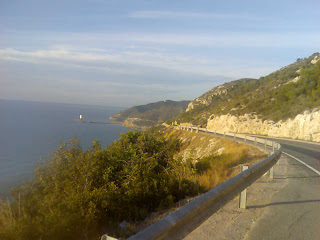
(181, 222)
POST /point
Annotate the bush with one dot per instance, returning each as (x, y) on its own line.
(80, 194)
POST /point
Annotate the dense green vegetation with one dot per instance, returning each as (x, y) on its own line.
(79, 194)
(273, 97)
(152, 113)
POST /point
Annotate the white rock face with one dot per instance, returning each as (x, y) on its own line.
(315, 59)
(206, 98)
(196, 102)
(296, 79)
(304, 126)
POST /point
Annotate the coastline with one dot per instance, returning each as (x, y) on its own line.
(124, 124)
(135, 123)
(47, 124)
(84, 121)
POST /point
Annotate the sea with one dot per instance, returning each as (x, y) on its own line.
(31, 131)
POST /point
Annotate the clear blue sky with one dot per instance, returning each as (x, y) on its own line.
(125, 53)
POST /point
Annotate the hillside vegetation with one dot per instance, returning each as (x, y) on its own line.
(80, 194)
(281, 95)
(150, 114)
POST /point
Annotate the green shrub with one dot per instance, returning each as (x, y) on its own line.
(80, 194)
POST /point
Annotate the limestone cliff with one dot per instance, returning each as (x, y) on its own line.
(304, 126)
(209, 97)
(285, 103)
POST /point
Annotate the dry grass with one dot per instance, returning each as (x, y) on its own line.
(220, 156)
(7, 219)
(6, 214)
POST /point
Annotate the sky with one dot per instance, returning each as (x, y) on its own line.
(126, 53)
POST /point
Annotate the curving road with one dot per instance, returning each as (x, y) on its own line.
(294, 211)
(291, 210)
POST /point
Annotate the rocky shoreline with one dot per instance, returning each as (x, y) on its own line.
(135, 123)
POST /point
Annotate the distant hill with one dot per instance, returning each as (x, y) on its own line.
(281, 95)
(150, 114)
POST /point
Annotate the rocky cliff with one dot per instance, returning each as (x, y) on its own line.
(286, 103)
(304, 126)
(281, 95)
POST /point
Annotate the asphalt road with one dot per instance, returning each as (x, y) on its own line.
(294, 211)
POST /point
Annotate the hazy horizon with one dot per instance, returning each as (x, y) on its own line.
(83, 104)
(79, 104)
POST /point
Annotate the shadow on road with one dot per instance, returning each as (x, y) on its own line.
(282, 203)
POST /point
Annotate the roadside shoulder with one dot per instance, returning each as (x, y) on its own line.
(231, 222)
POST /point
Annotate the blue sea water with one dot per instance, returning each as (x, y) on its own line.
(30, 131)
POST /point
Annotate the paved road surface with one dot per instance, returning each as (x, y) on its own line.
(294, 212)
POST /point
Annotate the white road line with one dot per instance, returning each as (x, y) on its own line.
(308, 166)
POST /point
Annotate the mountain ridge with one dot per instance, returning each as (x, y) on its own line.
(283, 94)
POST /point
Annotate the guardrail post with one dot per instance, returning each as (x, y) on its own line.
(255, 140)
(273, 147)
(106, 237)
(197, 129)
(215, 132)
(224, 134)
(243, 194)
(271, 173)
(265, 144)
(206, 130)
(191, 129)
(245, 138)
